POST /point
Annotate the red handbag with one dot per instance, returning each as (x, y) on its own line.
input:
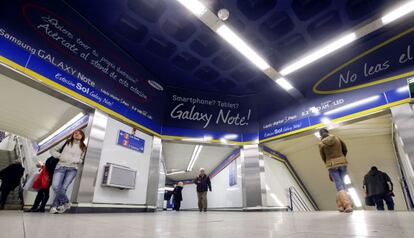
(42, 180)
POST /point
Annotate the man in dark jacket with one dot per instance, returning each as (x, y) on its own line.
(378, 185)
(10, 177)
(203, 184)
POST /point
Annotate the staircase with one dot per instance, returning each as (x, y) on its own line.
(6, 158)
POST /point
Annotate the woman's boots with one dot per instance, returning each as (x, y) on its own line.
(343, 202)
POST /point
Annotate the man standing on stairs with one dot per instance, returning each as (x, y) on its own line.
(10, 179)
(333, 152)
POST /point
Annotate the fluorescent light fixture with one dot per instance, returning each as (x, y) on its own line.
(62, 128)
(403, 89)
(177, 172)
(199, 139)
(193, 139)
(194, 6)
(283, 83)
(399, 12)
(319, 53)
(194, 157)
(230, 136)
(354, 197)
(326, 121)
(234, 40)
(353, 105)
(347, 179)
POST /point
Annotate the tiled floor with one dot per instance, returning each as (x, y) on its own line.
(212, 224)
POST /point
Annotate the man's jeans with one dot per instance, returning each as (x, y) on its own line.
(62, 178)
(337, 175)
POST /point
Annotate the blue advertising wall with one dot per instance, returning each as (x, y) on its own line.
(52, 43)
(55, 45)
(199, 114)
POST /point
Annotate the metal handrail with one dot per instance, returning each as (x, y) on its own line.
(296, 200)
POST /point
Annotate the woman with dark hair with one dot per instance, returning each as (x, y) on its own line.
(70, 156)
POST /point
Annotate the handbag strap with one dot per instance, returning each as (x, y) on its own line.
(61, 149)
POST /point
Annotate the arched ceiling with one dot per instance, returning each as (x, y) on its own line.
(179, 50)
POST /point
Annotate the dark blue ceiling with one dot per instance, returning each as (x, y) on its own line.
(181, 51)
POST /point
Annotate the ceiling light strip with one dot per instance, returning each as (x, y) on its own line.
(234, 40)
(215, 24)
(397, 13)
(62, 128)
(194, 157)
(309, 58)
(231, 37)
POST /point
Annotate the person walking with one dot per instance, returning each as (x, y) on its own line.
(43, 194)
(10, 179)
(178, 196)
(203, 185)
(333, 152)
(379, 187)
(69, 158)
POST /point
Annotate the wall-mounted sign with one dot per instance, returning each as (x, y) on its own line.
(131, 141)
(199, 113)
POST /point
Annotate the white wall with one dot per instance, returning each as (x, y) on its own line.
(278, 179)
(7, 143)
(223, 196)
(113, 153)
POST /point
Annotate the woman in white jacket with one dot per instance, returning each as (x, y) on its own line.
(70, 156)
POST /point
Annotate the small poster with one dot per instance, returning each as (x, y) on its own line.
(131, 141)
(233, 173)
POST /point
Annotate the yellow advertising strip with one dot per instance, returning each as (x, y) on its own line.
(73, 94)
(344, 118)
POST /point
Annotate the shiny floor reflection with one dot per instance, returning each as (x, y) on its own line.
(211, 224)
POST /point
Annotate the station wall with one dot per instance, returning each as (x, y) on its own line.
(113, 153)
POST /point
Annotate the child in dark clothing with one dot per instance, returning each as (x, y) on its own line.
(177, 195)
